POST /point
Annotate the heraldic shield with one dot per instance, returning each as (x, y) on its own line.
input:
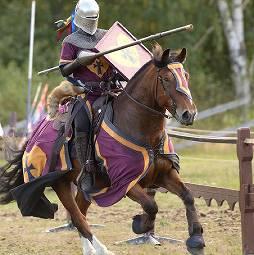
(127, 61)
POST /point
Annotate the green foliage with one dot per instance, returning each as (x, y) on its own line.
(12, 96)
(207, 62)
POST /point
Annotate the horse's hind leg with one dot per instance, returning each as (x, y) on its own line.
(172, 182)
(145, 222)
(64, 192)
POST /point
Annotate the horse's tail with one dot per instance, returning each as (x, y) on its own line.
(11, 176)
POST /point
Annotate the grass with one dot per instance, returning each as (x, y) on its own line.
(205, 164)
(211, 164)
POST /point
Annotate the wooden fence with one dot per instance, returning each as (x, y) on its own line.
(245, 196)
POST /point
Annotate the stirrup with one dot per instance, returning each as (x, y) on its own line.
(85, 181)
(84, 185)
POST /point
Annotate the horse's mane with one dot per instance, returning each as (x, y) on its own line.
(156, 60)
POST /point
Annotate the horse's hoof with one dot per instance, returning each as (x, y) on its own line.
(136, 224)
(107, 252)
(141, 224)
(87, 247)
(103, 251)
(193, 251)
(89, 251)
(195, 242)
(100, 248)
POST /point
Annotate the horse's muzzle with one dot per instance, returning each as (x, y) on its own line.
(188, 117)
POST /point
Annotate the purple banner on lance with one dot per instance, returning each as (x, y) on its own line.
(127, 61)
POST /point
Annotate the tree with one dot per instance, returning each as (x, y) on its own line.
(233, 25)
(208, 60)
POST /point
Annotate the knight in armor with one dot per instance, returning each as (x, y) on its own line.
(90, 78)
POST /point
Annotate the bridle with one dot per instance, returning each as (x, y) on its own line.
(158, 79)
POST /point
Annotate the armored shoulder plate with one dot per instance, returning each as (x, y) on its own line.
(83, 40)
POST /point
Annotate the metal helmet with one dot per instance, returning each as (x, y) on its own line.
(87, 16)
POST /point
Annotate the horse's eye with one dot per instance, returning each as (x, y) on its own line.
(166, 79)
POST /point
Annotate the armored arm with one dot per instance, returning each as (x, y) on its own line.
(68, 69)
(84, 58)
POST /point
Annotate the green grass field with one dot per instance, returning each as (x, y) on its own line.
(214, 165)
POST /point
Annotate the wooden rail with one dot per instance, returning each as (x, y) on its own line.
(202, 138)
(208, 132)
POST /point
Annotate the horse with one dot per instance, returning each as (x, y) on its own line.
(157, 89)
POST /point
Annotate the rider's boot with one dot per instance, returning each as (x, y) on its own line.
(86, 178)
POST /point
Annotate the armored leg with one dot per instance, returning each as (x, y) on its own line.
(82, 129)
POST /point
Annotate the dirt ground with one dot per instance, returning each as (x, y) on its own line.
(25, 236)
(210, 165)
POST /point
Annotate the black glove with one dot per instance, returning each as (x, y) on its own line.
(68, 69)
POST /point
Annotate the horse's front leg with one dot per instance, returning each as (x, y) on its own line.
(170, 180)
(100, 249)
(65, 194)
(145, 222)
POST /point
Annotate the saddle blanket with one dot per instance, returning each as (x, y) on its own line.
(125, 159)
(40, 148)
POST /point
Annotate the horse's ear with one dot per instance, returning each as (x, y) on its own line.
(165, 57)
(181, 57)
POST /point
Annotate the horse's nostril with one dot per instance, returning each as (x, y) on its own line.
(186, 116)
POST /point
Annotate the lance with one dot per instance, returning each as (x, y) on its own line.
(88, 58)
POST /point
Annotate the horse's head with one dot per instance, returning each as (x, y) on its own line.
(174, 94)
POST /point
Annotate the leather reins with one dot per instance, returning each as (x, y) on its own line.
(159, 78)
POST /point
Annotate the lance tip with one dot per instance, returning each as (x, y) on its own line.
(40, 73)
(190, 27)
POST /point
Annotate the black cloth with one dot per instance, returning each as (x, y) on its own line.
(31, 199)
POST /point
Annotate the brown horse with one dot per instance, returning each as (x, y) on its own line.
(139, 111)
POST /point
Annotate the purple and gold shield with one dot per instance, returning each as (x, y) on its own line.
(127, 61)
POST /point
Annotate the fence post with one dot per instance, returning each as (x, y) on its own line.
(245, 155)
